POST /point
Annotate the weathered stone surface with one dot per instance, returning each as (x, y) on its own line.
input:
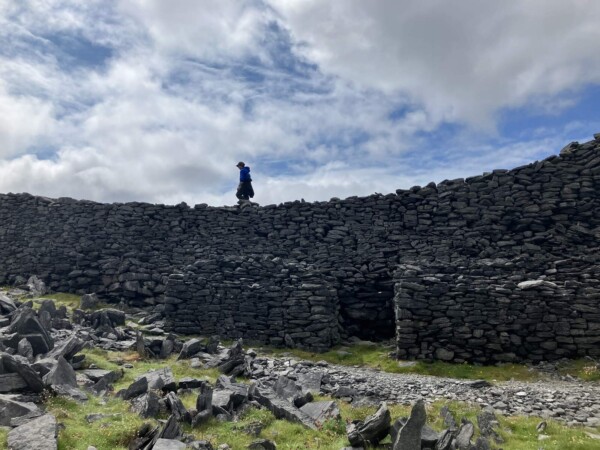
(38, 434)
(321, 412)
(31, 377)
(10, 409)
(61, 375)
(6, 304)
(26, 324)
(409, 437)
(161, 379)
(287, 388)
(262, 444)
(190, 348)
(89, 301)
(282, 409)
(11, 382)
(464, 435)
(146, 405)
(135, 389)
(169, 444)
(372, 430)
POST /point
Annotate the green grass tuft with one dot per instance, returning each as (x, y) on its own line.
(106, 434)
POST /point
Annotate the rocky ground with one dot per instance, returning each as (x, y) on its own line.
(40, 355)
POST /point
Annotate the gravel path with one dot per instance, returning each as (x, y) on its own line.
(574, 402)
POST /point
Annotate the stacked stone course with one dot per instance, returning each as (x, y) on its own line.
(532, 217)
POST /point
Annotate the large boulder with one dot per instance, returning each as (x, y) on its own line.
(26, 324)
(372, 430)
(409, 437)
(62, 374)
(11, 409)
(38, 434)
(20, 366)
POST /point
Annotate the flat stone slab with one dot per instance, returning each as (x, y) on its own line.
(169, 444)
(11, 409)
(38, 434)
(321, 412)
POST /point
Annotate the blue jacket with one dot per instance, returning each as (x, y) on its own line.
(245, 174)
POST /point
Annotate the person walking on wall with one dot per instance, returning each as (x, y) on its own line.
(244, 189)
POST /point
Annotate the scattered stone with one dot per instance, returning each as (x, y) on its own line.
(89, 301)
(38, 434)
(262, 444)
(464, 435)
(11, 409)
(169, 444)
(320, 412)
(409, 436)
(372, 430)
(146, 405)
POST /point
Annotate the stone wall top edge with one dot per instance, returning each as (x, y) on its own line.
(62, 201)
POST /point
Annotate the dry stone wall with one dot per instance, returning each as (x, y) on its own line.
(532, 217)
(264, 299)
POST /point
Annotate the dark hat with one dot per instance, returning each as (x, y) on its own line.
(240, 164)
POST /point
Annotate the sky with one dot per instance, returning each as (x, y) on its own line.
(156, 101)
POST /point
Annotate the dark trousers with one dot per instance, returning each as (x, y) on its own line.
(245, 191)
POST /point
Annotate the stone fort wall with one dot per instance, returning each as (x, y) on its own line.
(529, 220)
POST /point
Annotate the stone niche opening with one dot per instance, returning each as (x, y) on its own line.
(367, 309)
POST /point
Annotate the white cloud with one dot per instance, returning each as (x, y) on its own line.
(165, 118)
(24, 122)
(462, 61)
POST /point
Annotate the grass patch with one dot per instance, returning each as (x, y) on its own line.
(110, 433)
(585, 369)
(3, 438)
(70, 301)
(115, 360)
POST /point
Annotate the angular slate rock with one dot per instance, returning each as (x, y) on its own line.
(169, 444)
(11, 382)
(25, 349)
(89, 301)
(161, 379)
(262, 444)
(445, 440)
(176, 407)
(239, 391)
(282, 409)
(135, 389)
(286, 388)
(320, 412)
(10, 409)
(146, 405)
(61, 375)
(6, 305)
(375, 428)
(22, 420)
(409, 437)
(12, 365)
(70, 392)
(448, 418)
(38, 434)
(464, 435)
(26, 323)
(205, 398)
(67, 348)
(190, 348)
(488, 423)
(310, 382)
(190, 383)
